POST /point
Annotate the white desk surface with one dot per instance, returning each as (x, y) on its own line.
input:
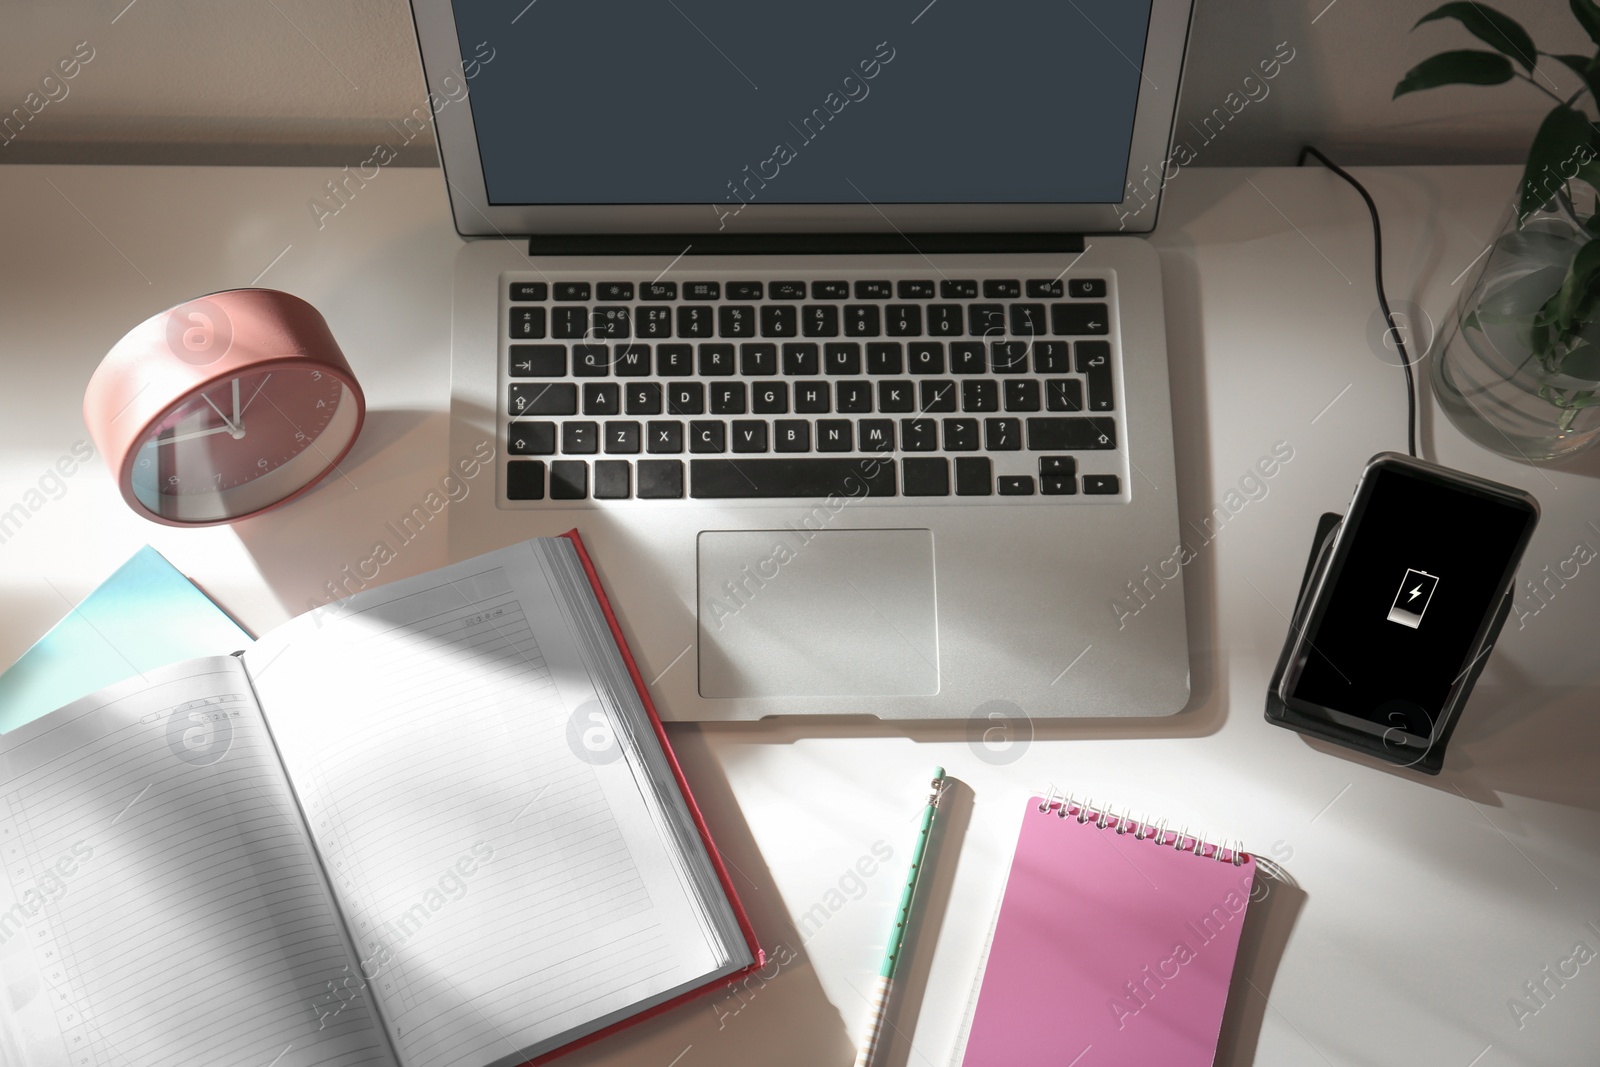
(1422, 904)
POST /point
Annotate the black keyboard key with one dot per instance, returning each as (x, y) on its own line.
(611, 478)
(980, 394)
(532, 439)
(1051, 357)
(602, 398)
(727, 398)
(658, 291)
(960, 435)
(716, 360)
(1058, 484)
(572, 290)
(525, 479)
(544, 398)
(811, 398)
(1040, 289)
(937, 394)
(1047, 434)
(974, 476)
(830, 290)
(842, 357)
(1022, 394)
(884, 357)
(896, 396)
(631, 360)
(968, 357)
(1102, 484)
(914, 290)
(861, 320)
(527, 323)
(1002, 435)
(791, 435)
(1063, 394)
(919, 435)
(1009, 357)
(903, 320)
(686, 398)
(611, 324)
(744, 290)
(538, 361)
(873, 290)
(1058, 465)
(569, 322)
(1094, 363)
(986, 319)
(749, 435)
(877, 435)
(621, 438)
(591, 361)
(944, 320)
(786, 291)
(926, 476)
(770, 398)
(1016, 485)
(702, 291)
(758, 360)
(854, 398)
(707, 436)
(1087, 287)
(1079, 318)
(694, 322)
(530, 291)
(674, 359)
(925, 357)
(1028, 320)
(655, 322)
(801, 359)
(663, 437)
(613, 291)
(958, 290)
(819, 320)
(1001, 289)
(736, 320)
(810, 476)
(834, 435)
(661, 479)
(779, 320)
(580, 438)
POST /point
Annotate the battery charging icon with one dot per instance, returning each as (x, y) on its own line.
(1412, 599)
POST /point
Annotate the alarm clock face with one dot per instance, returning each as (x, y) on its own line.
(243, 443)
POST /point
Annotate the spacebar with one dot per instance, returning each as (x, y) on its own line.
(724, 479)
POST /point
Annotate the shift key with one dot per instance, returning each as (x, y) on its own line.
(1071, 434)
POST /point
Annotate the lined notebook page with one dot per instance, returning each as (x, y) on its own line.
(159, 901)
(499, 867)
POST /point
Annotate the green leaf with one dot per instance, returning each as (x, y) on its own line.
(1560, 145)
(1499, 32)
(1581, 289)
(1585, 68)
(1588, 14)
(1467, 67)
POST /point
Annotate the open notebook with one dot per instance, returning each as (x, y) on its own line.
(436, 823)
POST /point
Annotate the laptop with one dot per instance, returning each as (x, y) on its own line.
(830, 329)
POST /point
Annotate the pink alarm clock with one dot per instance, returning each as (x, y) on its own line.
(223, 407)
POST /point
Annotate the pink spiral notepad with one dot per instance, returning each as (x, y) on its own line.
(1114, 945)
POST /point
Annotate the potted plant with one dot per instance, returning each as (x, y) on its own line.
(1520, 369)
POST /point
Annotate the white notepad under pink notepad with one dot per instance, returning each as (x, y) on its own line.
(1113, 945)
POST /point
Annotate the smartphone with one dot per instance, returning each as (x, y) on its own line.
(1401, 608)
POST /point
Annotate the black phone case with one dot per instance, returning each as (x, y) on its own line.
(1280, 714)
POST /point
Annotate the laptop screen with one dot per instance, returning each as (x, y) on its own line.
(822, 102)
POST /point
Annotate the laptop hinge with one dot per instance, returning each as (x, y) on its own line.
(727, 244)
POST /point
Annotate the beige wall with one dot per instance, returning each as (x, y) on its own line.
(314, 82)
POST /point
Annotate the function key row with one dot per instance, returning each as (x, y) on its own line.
(948, 289)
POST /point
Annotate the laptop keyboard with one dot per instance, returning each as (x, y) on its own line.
(751, 388)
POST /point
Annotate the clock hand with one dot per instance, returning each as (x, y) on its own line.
(236, 412)
(192, 434)
(230, 427)
(253, 395)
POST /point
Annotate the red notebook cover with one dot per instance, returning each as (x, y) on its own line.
(694, 810)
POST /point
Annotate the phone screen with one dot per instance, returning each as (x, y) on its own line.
(1426, 561)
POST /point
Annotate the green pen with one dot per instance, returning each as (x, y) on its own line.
(891, 952)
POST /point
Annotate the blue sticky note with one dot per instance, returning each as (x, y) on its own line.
(144, 616)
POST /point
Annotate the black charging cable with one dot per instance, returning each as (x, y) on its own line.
(1383, 298)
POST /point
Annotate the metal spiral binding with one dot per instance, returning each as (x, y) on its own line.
(1066, 805)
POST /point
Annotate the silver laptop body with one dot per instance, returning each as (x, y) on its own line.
(850, 595)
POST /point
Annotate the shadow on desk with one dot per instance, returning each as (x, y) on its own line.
(1276, 902)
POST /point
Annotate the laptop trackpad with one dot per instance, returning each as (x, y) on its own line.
(801, 612)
